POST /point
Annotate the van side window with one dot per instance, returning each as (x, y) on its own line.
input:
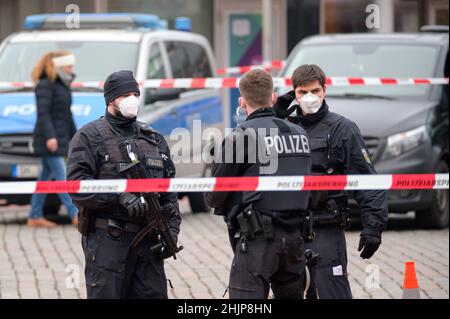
(155, 69)
(188, 60)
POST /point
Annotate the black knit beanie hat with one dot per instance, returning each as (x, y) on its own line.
(118, 84)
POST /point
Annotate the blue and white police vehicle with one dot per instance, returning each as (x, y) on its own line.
(102, 44)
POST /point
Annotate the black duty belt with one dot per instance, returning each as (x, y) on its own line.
(105, 223)
(327, 218)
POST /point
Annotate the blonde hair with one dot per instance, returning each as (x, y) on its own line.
(45, 66)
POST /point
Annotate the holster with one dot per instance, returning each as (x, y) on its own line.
(85, 221)
(336, 213)
(251, 222)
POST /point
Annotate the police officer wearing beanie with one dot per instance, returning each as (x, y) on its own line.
(337, 148)
(110, 221)
(265, 227)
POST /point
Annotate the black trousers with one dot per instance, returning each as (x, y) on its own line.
(278, 264)
(114, 271)
(331, 278)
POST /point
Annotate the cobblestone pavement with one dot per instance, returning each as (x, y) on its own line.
(40, 263)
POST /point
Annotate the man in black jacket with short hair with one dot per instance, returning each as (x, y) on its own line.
(265, 227)
(337, 147)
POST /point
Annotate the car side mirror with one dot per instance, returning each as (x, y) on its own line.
(155, 95)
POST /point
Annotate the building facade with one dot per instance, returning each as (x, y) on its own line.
(235, 27)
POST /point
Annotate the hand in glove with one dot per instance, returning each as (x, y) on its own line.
(133, 204)
(369, 245)
(281, 106)
(172, 213)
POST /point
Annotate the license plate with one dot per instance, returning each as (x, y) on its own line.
(26, 170)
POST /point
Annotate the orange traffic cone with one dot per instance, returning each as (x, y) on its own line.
(410, 284)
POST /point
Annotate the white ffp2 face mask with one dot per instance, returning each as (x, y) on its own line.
(129, 106)
(310, 103)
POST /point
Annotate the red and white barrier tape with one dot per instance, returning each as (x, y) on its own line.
(86, 84)
(270, 65)
(217, 83)
(272, 183)
(286, 82)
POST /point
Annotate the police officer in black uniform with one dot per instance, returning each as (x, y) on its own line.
(265, 227)
(110, 221)
(337, 147)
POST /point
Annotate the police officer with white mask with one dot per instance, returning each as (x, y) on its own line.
(337, 148)
(124, 259)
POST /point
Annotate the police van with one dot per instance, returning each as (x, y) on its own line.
(102, 44)
(405, 127)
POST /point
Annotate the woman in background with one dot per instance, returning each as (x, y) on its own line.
(54, 128)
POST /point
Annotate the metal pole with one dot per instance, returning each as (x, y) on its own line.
(100, 6)
(387, 16)
(267, 29)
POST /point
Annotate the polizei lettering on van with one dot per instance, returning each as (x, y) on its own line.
(28, 109)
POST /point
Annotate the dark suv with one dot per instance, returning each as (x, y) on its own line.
(405, 126)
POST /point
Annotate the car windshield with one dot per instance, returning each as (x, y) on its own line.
(370, 60)
(94, 60)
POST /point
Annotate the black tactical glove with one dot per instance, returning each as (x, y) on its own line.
(133, 204)
(369, 245)
(281, 106)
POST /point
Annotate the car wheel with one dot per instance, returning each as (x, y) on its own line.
(437, 215)
(197, 200)
(198, 204)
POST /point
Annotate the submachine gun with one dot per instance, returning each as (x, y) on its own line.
(157, 217)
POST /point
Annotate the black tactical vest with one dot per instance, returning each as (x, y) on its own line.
(319, 135)
(291, 147)
(144, 145)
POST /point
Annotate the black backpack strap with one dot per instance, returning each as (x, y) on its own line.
(109, 137)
